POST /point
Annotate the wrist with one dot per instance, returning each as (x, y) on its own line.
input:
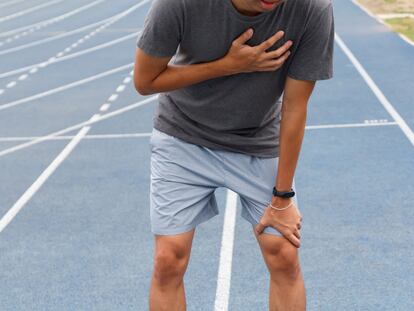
(282, 202)
(224, 67)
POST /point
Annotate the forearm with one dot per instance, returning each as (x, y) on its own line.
(179, 76)
(292, 129)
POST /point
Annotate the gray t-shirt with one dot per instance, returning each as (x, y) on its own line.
(240, 112)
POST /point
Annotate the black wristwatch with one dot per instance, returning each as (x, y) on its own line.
(283, 194)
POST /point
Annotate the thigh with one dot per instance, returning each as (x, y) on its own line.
(253, 180)
(182, 185)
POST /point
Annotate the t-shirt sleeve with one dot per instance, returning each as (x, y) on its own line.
(163, 28)
(313, 59)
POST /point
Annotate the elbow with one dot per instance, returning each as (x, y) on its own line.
(143, 89)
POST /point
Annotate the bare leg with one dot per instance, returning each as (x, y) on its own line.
(287, 288)
(171, 257)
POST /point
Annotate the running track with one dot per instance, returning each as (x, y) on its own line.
(74, 172)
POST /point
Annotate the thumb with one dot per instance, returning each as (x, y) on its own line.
(243, 37)
(259, 228)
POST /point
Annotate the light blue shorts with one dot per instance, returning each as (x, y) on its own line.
(184, 177)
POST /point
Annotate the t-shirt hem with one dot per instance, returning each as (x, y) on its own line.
(205, 143)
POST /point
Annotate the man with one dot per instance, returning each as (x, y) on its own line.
(219, 122)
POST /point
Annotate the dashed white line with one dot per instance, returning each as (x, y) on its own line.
(78, 126)
(105, 107)
(120, 88)
(38, 25)
(127, 80)
(11, 84)
(32, 9)
(23, 77)
(113, 97)
(73, 55)
(64, 87)
(376, 90)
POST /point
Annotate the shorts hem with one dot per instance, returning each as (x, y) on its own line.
(183, 229)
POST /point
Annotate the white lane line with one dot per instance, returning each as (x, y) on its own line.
(27, 11)
(376, 90)
(77, 126)
(127, 80)
(11, 84)
(365, 124)
(23, 77)
(28, 194)
(2, 5)
(120, 88)
(1, 91)
(73, 55)
(130, 135)
(113, 97)
(69, 137)
(226, 254)
(38, 25)
(64, 87)
(406, 39)
(81, 40)
(105, 107)
(41, 41)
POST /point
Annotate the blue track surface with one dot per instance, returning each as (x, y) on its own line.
(82, 241)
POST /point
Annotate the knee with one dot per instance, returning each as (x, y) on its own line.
(169, 267)
(284, 263)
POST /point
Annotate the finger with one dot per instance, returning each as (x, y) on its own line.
(275, 64)
(278, 52)
(269, 42)
(294, 240)
(299, 226)
(259, 228)
(297, 233)
(243, 37)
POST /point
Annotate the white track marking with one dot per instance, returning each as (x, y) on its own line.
(28, 194)
(113, 97)
(64, 87)
(27, 11)
(73, 55)
(1, 91)
(105, 107)
(127, 80)
(38, 25)
(331, 126)
(23, 77)
(78, 126)
(130, 135)
(376, 90)
(120, 88)
(226, 254)
(2, 5)
(81, 40)
(64, 137)
(11, 84)
(381, 21)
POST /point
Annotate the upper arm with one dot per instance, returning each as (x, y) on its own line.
(146, 69)
(296, 94)
(159, 39)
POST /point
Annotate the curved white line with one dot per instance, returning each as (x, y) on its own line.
(69, 56)
(41, 41)
(9, 3)
(78, 126)
(64, 87)
(27, 11)
(53, 19)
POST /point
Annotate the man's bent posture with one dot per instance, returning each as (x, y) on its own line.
(220, 122)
